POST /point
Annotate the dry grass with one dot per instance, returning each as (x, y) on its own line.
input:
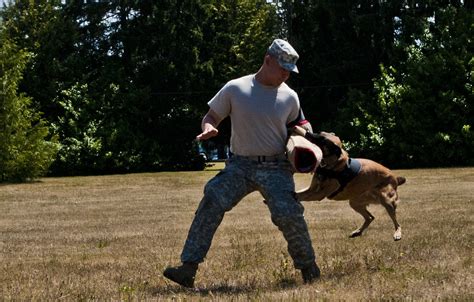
(110, 237)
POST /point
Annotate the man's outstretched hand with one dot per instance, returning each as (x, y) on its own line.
(208, 132)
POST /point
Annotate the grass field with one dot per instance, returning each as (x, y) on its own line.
(110, 237)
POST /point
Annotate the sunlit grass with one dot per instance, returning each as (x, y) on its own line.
(110, 237)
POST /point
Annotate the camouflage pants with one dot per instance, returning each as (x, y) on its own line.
(241, 176)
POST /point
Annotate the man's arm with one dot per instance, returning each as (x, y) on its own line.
(209, 125)
(300, 121)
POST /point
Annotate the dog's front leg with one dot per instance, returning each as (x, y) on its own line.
(311, 193)
(361, 208)
(319, 189)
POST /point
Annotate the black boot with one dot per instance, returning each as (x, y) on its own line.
(310, 273)
(183, 274)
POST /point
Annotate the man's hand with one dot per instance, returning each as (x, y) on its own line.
(208, 132)
(208, 126)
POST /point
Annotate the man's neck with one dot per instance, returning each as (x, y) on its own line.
(261, 77)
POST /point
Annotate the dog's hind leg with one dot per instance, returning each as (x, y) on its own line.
(362, 210)
(391, 212)
(390, 200)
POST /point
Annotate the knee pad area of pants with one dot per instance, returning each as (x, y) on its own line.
(214, 199)
(289, 221)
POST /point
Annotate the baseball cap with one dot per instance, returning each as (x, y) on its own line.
(285, 54)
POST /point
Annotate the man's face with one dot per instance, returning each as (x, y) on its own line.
(276, 72)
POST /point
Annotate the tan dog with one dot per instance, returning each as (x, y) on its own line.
(361, 181)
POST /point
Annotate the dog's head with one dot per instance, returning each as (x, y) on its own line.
(334, 156)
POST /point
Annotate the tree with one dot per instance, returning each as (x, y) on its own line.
(125, 83)
(391, 78)
(341, 44)
(424, 106)
(26, 151)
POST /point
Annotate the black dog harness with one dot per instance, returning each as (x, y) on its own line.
(343, 177)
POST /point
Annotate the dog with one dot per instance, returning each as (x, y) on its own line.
(361, 181)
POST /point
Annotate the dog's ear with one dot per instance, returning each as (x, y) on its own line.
(315, 138)
(333, 149)
(333, 138)
(330, 144)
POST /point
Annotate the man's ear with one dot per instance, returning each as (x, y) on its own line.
(267, 59)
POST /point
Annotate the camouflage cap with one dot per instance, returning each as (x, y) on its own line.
(285, 54)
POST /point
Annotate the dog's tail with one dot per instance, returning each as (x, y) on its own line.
(401, 180)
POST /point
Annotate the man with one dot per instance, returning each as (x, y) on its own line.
(261, 107)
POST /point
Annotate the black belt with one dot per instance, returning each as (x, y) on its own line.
(262, 158)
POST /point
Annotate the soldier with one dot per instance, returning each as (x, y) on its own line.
(261, 107)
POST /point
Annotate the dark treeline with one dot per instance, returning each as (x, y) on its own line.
(94, 87)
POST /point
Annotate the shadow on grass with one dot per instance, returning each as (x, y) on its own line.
(208, 291)
(219, 289)
(19, 182)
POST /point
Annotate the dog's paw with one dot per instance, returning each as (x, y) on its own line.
(356, 233)
(398, 234)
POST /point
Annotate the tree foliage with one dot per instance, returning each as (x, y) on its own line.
(25, 150)
(124, 84)
(422, 111)
(392, 78)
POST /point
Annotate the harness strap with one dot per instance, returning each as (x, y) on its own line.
(343, 177)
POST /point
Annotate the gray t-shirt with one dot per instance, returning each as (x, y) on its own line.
(259, 115)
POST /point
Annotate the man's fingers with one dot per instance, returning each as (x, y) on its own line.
(206, 135)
